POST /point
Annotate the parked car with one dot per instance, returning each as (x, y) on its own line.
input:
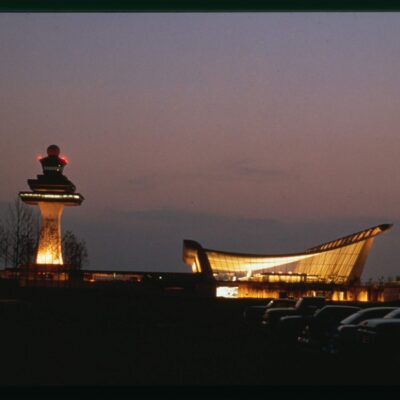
(380, 337)
(253, 314)
(290, 327)
(317, 330)
(304, 306)
(344, 337)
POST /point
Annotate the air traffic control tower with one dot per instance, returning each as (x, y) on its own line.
(51, 191)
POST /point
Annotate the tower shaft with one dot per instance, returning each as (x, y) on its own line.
(49, 247)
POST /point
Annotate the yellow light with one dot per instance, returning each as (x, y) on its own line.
(338, 295)
(243, 264)
(362, 295)
(49, 256)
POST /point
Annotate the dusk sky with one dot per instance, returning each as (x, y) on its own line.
(253, 132)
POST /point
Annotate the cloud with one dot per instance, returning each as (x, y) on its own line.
(243, 170)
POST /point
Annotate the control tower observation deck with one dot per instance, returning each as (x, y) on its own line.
(51, 191)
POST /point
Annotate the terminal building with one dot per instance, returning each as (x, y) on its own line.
(334, 267)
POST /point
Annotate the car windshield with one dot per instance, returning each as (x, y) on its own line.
(310, 302)
(285, 303)
(362, 315)
(335, 312)
(394, 314)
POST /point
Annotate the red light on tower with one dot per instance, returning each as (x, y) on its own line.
(39, 157)
(65, 159)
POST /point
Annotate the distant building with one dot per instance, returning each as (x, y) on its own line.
(338, 263)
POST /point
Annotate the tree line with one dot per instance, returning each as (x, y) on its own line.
(19, 235)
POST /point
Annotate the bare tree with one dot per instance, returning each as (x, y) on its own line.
(3, 244)
(19, 234)
(74, 250)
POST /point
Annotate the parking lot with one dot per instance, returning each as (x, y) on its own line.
(102, 338)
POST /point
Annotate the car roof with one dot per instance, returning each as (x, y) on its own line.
(279, 309)
(324, 309)
(340, 306)
(379, 308)
(364, 311)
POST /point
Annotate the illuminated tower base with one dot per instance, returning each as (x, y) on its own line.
(51, 207)
(49, 247)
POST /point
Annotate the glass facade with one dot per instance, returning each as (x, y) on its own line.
(338, 261)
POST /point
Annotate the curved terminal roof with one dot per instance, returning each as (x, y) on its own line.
(337, 261)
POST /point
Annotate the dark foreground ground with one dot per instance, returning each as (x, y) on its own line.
(108, 337)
